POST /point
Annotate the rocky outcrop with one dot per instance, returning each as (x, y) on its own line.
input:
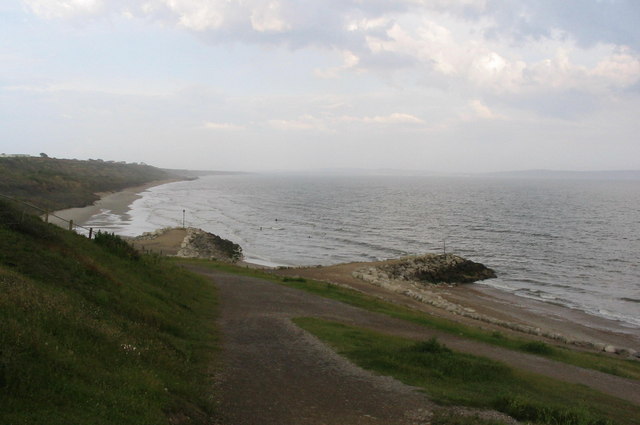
(149, 236)
(435, 269)
(191, 243)
(201, 244)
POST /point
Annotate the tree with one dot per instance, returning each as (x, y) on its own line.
(43, 155)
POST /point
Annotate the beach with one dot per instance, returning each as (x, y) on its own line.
(574, 325)
(117, 202)
(565, 325)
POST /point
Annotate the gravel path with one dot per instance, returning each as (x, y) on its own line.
(275, 373)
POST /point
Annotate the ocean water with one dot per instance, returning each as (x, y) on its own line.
(574, 243)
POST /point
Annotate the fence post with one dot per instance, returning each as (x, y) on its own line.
(70, 224)
(90, 232)
(46, 216)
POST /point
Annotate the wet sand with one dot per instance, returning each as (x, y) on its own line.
(499, 304)
(117, 202)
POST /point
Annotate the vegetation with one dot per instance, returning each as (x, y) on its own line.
(601, 362)
(64, 183)
(93, 332)
(452, 378)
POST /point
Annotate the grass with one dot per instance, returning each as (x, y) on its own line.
(452, 378)
(92, 332)
(444, 417)
(616, 366)
(63, 183)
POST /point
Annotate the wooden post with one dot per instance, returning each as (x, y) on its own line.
(70, 224)
(90, 232)
(46, 216)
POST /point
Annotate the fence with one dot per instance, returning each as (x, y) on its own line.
(48, 215)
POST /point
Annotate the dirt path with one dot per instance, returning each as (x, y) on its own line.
(491, 302)
(276, 373)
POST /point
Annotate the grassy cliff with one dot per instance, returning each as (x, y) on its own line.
(93, 332)
(64, 183)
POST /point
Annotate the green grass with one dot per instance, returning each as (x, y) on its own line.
(63, 183)
(452, 378)
(604, 363)
(91, 332)
(444, 417)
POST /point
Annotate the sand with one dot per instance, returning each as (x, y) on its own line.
(168, 243)
(498, 304)
(117, 202)
(502, 305)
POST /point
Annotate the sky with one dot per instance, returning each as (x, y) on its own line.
(289, 85)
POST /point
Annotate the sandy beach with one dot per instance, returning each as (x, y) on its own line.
(118, 202)
(501, 305)
(550, 318)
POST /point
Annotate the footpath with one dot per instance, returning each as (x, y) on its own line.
(276, 373)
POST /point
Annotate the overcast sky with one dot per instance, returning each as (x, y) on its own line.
(438, 85)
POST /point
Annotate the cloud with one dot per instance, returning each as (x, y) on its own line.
(64, 9)
(394, 118)
(483, 47)
(269, 18)
(481, 110)
(587, 22)
(331, 122)
(304, 122)
(350, 61)
(224, 126)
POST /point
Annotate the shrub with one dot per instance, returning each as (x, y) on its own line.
(537, 347)
(116, 245)
(430, 346)
(525, 410)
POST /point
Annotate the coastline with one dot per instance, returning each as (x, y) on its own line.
(117, 202)
(502, 305)
(573, 324)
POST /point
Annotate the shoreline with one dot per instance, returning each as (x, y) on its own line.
(493, 302)
(116, 202)
(578, 327)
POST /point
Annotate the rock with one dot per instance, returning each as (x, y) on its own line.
(609, 349)
(153, 235)
(436, 269)
(201, 244)
(625, 352)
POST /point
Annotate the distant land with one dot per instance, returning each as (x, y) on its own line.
(522, 174)
(568, 175)
(55, 184)
(200, 173)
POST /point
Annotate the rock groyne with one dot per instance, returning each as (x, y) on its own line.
(432, 269)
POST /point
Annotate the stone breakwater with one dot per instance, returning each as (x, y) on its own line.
(399, 277)
(199, 244)
(435, 269)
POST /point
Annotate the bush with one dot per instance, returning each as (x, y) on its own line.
(116, 245)
(431, 346)
(537, 347)
(524, 410)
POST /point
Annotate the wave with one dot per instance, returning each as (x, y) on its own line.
(557, 249)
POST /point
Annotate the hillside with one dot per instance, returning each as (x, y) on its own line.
(64, 183)
(93, 332)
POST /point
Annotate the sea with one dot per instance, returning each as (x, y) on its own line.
(574, 243)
